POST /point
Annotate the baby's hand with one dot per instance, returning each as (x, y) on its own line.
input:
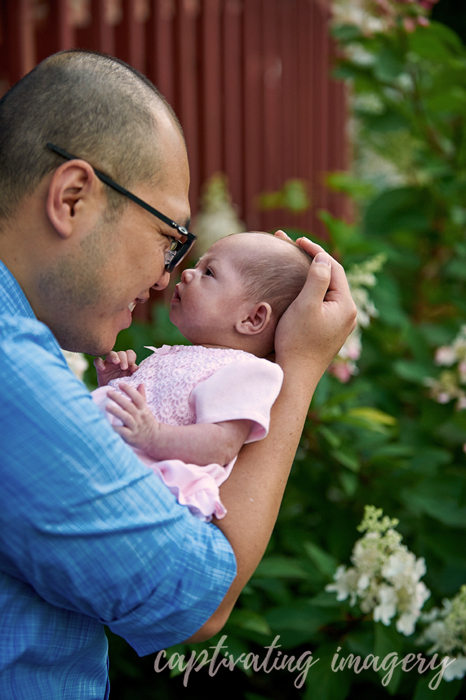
(115, 365)
(139, 427)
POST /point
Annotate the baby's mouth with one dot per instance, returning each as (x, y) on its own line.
(176, 294)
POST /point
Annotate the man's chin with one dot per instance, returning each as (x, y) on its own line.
(95, 347)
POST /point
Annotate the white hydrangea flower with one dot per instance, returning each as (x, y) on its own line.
(217, 217)
(381, 16)
(446, 633)
(359, 277)
(449, 385)
(456, 670)
(385, 577)
(76, 362)
(386, 609)
(445, 356)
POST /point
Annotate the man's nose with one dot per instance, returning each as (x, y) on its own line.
(162, 282)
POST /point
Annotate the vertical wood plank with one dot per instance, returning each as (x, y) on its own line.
(160, 48)
(307, 126)
(211, 91)
(20, 38)
(272, 70)
(253, 111)
(130, 36)
(320, 60)
(55, 31)
(187, 87)
(233, 135)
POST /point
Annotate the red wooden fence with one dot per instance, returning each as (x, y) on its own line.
(249, 80)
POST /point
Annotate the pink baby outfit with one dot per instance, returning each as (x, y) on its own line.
(193, 384)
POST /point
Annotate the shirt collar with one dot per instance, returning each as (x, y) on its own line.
(14, 302)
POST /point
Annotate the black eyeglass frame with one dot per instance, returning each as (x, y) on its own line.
(182, 246)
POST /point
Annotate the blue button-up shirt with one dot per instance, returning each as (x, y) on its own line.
(89, 535)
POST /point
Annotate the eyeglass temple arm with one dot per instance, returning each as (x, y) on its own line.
(111, 183)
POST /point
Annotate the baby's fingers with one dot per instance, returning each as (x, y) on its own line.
(137, 396)
(122, 414)
(122, 401)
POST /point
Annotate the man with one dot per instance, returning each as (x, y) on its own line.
(89, 535)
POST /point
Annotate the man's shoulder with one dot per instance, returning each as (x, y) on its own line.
(20, 335)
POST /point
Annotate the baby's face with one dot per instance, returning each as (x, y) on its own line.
(209, 299)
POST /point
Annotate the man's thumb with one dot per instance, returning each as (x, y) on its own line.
(321, 270)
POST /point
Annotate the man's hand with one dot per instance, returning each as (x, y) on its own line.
(139, 427)
(116, 365)
(315, 326)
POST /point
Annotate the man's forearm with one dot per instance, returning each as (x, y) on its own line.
(254, 491)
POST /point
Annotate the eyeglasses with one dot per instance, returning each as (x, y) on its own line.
(179, 247)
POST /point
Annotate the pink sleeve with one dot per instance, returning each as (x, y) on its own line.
(245, 389)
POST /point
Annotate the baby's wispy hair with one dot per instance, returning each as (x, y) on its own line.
(277, 275)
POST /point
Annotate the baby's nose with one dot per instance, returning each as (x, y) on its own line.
(187, 275)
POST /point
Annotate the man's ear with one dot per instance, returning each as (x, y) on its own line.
(257, 319)
(70, 186)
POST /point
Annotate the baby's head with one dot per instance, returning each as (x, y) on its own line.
(238, 291)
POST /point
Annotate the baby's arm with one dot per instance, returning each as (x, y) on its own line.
(201, 443)
(116, 365)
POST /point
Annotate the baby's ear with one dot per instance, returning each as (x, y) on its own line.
(257, 319)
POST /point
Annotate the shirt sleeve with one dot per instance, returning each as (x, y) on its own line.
(245, 389)
(83, 521)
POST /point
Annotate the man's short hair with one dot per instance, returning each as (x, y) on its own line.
(92, 105)
(276, 275)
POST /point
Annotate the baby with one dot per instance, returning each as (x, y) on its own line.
(187, 410)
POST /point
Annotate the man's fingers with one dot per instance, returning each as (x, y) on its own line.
(281, 234)
(310, 247)
(318, 279)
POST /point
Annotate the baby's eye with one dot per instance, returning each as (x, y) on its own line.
(208, 272)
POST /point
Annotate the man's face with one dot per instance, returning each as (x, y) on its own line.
(95, 291)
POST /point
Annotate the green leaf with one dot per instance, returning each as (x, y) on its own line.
(280, 567)
(347, 459)
(342, 235)
(324, 562)
(388, 641)
(330, 436)
(349, 483)
(346, 32)
(397, 210)
(388, 65)
(439, 498)
(325, 600)
(341, 181)
(322, 682)
(301, 617)
(435, 43)
(412, 371)
(445, 691)
(249, 620)
(369, 418)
